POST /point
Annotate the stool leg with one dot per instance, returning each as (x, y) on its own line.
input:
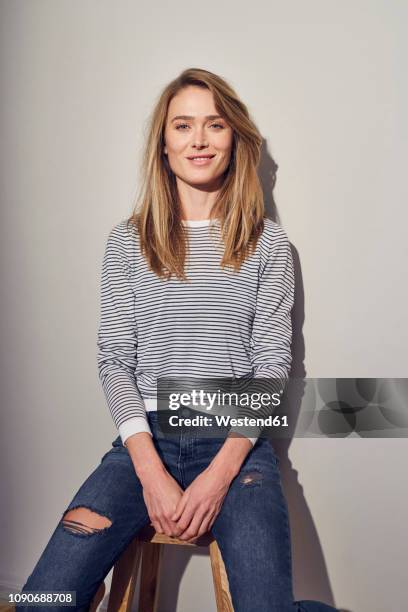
(150, 577)
(220, 579)
(124, 578)
(97, 597)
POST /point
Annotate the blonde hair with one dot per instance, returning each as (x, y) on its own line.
(239, 206)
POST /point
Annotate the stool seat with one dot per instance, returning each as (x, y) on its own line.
(147, 549)
(149, 534)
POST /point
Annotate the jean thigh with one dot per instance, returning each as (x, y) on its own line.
(113, 490)
(77, 558)
(252, 531)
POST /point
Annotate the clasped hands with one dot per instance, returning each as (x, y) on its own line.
(186, 514)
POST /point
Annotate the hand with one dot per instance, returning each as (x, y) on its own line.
(200, 503)
(161, 491)
(161, 495)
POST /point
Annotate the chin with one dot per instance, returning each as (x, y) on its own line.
(208, 182)
(201, 178)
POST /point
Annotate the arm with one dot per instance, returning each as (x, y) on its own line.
(117, 338)
(271, 337)
(271, 359)
(117, 360)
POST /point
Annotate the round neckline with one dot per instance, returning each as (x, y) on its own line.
(200, 223)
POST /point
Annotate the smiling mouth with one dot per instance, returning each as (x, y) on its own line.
(201, 160)
(201, 156)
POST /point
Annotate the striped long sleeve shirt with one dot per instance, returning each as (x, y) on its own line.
(222, 323)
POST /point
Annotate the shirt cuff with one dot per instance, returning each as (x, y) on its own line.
(253, 441)
(244, 433)
(133, 426)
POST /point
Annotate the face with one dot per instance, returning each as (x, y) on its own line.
(198, 142)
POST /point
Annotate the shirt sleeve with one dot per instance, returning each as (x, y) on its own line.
(117, 337)
(271, 337)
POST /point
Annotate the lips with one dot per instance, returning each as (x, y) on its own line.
(201, 156)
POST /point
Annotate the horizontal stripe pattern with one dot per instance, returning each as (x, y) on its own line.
(220, 323)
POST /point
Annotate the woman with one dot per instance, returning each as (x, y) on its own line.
(197, 282)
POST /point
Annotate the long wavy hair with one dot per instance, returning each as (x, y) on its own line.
(239, 205)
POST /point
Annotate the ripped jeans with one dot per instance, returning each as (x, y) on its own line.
(251, 529)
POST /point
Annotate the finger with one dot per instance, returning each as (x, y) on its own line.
(194, 526)
(176, 529)
(186, 518)
(157, 525)
(167, 526)
(203, 529)
(206, 524)
(181, 504)
(212, 520)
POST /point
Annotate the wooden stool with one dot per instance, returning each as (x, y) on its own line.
(147, 548)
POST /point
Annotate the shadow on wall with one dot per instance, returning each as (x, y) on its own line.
(310, 576)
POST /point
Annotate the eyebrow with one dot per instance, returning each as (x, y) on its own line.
(208, 117)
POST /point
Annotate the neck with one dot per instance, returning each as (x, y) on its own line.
(196, 203)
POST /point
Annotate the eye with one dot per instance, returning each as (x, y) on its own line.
(181, 125)
(218, 125)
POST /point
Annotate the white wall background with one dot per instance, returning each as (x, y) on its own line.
(326, 84)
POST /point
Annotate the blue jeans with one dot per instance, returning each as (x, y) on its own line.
(252, 528)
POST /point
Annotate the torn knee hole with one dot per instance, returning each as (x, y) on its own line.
(84, 521)
(250, 477)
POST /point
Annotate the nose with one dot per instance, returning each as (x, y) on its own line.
(200, 145)
(200, 140)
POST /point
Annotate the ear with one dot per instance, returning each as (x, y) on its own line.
(165, 150)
